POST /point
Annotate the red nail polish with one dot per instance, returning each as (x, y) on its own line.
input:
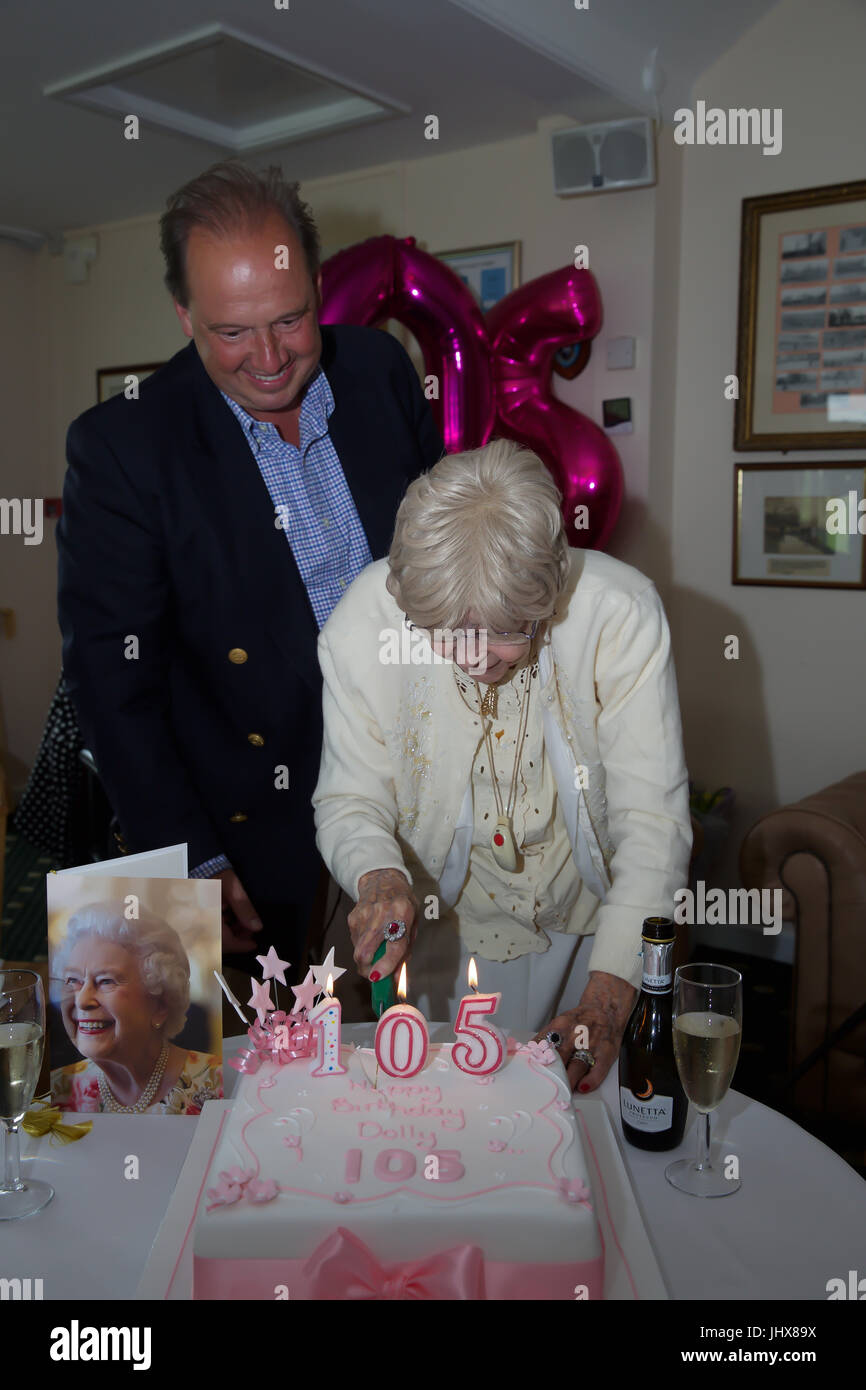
(583, 1089)
(374, 975)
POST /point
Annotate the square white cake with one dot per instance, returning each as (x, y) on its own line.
(440, 1186)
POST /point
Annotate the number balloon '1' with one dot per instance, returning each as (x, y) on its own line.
(494, 371)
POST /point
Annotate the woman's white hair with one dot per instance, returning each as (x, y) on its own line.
(481, 532)
(158, 949)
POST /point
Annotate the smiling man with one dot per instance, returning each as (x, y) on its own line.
(210, 525)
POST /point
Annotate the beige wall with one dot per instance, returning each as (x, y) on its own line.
(122, 315)
(783, 720)
(787, 718)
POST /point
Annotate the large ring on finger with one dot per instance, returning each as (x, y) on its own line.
(553, 1038)
(394, 930)
(582, 1054)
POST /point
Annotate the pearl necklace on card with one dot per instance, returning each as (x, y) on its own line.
(109, 1102)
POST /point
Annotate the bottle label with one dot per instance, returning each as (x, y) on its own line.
(659, 984)
(657, 973)
(651, 1116)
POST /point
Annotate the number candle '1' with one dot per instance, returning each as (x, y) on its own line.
(328, 1013)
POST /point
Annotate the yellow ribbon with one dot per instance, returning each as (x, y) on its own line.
(46, 1120)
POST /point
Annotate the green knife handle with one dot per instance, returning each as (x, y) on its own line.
(383, 991)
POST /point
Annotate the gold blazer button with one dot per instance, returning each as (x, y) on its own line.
(237, 656)
(237, 817)
(256, 740)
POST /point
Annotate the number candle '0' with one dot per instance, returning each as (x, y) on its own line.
(485, 1051)
(402, 1040)
(328, 1014)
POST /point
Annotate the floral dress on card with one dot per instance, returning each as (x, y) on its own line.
(76, 1087)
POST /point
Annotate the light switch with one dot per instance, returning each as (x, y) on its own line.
(620, 353)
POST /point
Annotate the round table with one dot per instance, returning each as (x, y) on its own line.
(797, 1221)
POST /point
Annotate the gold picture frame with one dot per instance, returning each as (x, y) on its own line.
(787, 534)
(491, 272)
(111, 381)
(802, 320)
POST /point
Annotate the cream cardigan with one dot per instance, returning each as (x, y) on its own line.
(394, 785)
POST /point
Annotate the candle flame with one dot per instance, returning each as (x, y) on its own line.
(401, 984)
(472, 975)
(330, 984)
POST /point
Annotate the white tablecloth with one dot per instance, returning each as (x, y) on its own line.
(798, 1220)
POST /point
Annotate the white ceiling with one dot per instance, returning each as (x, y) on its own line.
(489, 69)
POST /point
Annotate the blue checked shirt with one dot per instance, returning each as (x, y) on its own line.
(314, 506)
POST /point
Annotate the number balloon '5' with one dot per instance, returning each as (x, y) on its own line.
(494, 371)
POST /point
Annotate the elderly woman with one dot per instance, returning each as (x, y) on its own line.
(502, 768)
(124, 994)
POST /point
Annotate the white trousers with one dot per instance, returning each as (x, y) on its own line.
(534, 987)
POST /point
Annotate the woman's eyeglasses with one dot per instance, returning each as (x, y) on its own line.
(474, 638)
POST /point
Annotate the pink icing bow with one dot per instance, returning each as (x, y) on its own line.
(574, 1192)
(281, 1038)
(236, 1183)
(542, 1052)
(343, 1267)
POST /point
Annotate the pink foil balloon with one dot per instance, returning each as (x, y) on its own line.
(494, 375)
(389, 277)
(526, 329)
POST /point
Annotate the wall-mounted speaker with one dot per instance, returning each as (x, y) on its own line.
(604, 157)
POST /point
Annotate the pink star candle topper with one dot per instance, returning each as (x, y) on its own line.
(260, 999)
(304, 993)
(272, 967)
(321, 972)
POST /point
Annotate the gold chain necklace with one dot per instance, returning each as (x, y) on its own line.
(109, 1102)
(503, 845)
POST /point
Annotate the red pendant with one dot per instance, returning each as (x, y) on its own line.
(498, 839)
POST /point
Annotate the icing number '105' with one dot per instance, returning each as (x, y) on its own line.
(399, 1165)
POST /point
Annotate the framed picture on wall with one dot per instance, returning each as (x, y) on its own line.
(800, 524)
(801, 340)
(491, 272)
(111, 381)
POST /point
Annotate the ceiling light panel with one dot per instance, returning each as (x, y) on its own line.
(222, 87)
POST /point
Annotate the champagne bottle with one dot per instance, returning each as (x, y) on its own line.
(653, 1104)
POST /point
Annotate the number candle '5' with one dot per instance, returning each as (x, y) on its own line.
(485, 1051)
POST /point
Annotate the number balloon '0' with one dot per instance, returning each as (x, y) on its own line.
(494, 373)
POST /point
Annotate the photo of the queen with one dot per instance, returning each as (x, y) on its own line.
(122, 988)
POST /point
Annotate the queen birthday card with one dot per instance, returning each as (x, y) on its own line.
(135, 1023)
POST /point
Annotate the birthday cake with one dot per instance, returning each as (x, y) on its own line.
(358, 1185)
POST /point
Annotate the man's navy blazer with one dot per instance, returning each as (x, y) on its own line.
(170, 559)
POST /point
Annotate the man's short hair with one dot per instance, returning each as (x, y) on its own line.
(228, 198)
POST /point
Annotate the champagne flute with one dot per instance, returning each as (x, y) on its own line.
(22, 1036)
(708, 1017)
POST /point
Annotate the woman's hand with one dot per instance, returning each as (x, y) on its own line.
(604, 1010)
(384, 896)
